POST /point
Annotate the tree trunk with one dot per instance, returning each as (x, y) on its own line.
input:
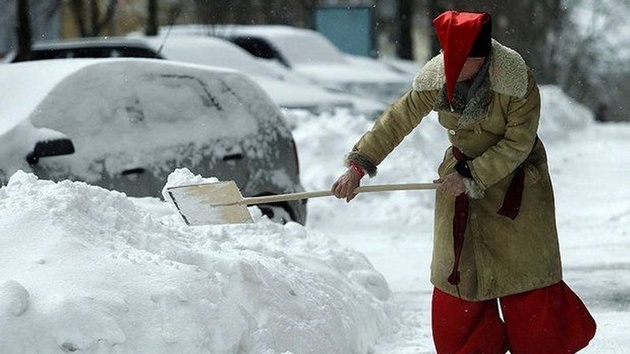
(23, 29)
(77, 9)
(94, 15)
(405, 43)
(152, 19)
(434, 11)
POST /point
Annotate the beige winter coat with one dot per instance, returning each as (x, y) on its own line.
(498, 129)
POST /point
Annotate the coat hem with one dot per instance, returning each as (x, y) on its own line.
(452, 290)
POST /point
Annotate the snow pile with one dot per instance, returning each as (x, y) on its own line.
(86, 269)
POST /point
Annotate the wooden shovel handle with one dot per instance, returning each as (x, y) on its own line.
(327, 193)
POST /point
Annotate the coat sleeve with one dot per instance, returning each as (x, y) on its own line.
(390, 129)
(502, 159)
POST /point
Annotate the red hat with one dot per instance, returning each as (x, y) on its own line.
(461, 34)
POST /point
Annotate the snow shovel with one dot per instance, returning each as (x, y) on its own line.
(222, 202)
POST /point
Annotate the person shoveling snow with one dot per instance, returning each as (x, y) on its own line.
(495, 238)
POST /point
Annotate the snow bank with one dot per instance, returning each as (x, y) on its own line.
(561, 115)
(86, 269)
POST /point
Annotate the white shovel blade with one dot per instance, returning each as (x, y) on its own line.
(210, 203)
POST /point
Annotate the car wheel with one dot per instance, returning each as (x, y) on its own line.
(276, 213)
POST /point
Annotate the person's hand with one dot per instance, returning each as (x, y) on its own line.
(452, 184)
(346, 184)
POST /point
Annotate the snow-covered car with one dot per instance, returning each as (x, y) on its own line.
(311, 54)
(285, 88)
(124, 124)
(288, 90)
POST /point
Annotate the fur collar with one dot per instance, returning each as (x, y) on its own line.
(507, 73)
(471, 112)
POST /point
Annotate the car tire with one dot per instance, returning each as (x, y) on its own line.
(276, 213)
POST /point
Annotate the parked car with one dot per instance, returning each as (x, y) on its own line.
(286, 89)
(126, 124)
(311, 54)
(111, 47)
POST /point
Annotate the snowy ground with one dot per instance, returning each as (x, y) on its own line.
(93, 271)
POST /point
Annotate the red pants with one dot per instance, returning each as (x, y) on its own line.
(551, 320)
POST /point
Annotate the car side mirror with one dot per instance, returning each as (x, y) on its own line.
(51, 147)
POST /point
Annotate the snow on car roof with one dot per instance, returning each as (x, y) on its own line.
(28, 83)
(208, 51)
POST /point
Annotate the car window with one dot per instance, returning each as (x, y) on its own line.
(259, 48)
(93, 52)
(135, 52)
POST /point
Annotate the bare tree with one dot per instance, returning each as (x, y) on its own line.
(434, 10)
(405, 42)
(152, 21)
(88, 16)
(23, 29)
(589, 62)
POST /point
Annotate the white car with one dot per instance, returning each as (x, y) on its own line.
(125, 124)
(309, 53)
(285, 88)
